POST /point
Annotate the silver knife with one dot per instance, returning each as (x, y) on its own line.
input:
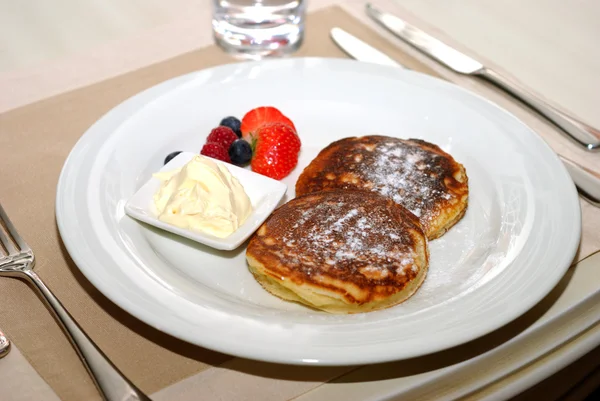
(586, 181)
(581, 133)
(358, 49)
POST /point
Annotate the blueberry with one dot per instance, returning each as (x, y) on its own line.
(240, 152)
(170, 156)
(234, 124)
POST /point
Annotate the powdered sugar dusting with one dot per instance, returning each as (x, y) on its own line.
(342, 235)
(408, 174)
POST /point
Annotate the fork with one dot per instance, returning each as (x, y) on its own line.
(4, 345)
(18, 261)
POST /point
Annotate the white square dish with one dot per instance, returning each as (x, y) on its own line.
(264, 193)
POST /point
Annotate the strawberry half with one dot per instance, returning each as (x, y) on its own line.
(276, 150)
(258, 117)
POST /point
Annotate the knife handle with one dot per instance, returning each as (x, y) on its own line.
(586, 181)
(583, 134)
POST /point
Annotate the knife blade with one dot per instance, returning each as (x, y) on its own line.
(584, 135)
(586, 180)
(358, 49)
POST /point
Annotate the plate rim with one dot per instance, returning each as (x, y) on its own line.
(568, 254)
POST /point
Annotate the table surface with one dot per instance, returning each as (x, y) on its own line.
(47, 48)
(522, 38)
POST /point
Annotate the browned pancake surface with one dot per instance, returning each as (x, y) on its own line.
(414, 173)
(358, 244)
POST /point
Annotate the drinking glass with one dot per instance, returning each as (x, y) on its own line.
(259, 28)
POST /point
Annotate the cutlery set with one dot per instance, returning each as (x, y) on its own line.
(586, 181)
(17, 259)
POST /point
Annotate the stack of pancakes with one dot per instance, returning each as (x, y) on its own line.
(355, 238)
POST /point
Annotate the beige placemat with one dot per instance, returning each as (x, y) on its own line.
(34, 143)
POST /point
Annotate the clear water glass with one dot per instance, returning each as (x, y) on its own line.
(259, 28)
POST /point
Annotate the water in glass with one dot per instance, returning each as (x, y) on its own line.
(259, 28)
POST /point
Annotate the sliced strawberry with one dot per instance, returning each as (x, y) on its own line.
(256, 118)
(276, 150)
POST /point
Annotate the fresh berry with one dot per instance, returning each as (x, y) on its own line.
(240, 152)
(223, 136)
(234, 124)
(256, 118)
(215, 151)
(171, 156)
(276, 150)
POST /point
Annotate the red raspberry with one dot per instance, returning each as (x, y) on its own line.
(216, 151)
(224, 136)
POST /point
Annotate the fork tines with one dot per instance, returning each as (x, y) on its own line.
(10, 240)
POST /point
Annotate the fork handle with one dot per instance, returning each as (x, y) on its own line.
(581, 133)
(110, 381)
(4, 345)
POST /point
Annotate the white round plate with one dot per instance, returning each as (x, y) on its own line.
(514, 244)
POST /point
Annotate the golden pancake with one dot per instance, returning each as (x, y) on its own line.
(413, 173)
(340, 252)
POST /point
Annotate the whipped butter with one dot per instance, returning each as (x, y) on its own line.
(202, 196)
